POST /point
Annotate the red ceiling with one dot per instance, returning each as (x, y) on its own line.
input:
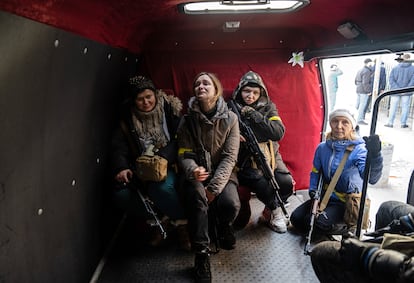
(138, 25)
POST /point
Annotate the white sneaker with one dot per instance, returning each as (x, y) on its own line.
(277, 221)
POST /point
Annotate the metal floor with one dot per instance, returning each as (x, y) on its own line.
(261, 255)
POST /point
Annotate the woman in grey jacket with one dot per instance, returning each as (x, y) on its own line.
(208, 141)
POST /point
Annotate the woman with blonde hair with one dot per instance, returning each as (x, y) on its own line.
(208, 140)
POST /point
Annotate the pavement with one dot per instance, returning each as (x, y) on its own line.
(398, 153)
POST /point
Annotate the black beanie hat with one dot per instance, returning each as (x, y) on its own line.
(140, 83)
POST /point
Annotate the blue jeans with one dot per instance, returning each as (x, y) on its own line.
(162, 194)
(362, 100)
(332, 100)
(405, 107)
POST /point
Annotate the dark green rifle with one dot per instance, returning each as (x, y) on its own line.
(259, 158)
(314, 214)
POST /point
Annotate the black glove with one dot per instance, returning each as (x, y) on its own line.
(352, 252)
(398, 226)
(250, 113)
(246, 111)
(373, 144)
(312, 194)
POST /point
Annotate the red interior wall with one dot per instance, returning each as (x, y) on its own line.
(295, 90)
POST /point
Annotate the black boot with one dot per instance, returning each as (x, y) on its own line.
(226, 236)
(202, 271)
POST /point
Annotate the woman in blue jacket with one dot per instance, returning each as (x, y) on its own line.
(327, 157)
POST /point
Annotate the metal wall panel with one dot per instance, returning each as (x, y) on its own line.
(57, 97)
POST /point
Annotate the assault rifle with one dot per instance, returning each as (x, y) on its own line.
(147, 204)
(259, 158)
(148, 207)
(314, 214)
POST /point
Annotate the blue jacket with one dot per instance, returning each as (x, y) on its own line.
(327, 157)
(402, 76)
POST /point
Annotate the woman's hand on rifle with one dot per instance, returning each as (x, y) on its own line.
(124, 176)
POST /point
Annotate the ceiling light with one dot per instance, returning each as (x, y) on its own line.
(349, 30)
(242, 6)
(231, 26)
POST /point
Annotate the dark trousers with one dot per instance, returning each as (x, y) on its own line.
(264, 192)
(226, 205)
(391, 210)
(325, 222)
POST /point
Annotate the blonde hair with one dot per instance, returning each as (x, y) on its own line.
(216, 82)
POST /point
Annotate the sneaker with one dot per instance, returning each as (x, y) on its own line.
(388, 125)
(226, 237)
(362, 122)
(277, 221)
(404, 126)
(202, 271)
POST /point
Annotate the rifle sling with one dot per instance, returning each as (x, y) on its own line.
(194, 133)
(334, 179)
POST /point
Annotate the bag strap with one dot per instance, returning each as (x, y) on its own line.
(272, 155)
(335, 179)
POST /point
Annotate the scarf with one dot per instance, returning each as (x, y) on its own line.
(151, 126)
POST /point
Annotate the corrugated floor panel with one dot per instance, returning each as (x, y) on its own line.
(261, 255)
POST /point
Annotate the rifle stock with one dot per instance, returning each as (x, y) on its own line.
(260, 159)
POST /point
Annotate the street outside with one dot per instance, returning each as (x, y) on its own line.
(397, 142)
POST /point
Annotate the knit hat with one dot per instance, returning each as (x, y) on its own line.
(366, 61)
(140, 83)
(343, 113)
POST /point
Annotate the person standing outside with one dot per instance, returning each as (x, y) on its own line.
(261, 115)
(334, 73)
(363, 82)
(382, 82)
(401, 76)
(210, 130)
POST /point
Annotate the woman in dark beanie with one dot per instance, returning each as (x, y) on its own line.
(261, 115)
(148, 123)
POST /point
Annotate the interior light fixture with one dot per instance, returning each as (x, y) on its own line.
(349, 30)
(242, 6)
